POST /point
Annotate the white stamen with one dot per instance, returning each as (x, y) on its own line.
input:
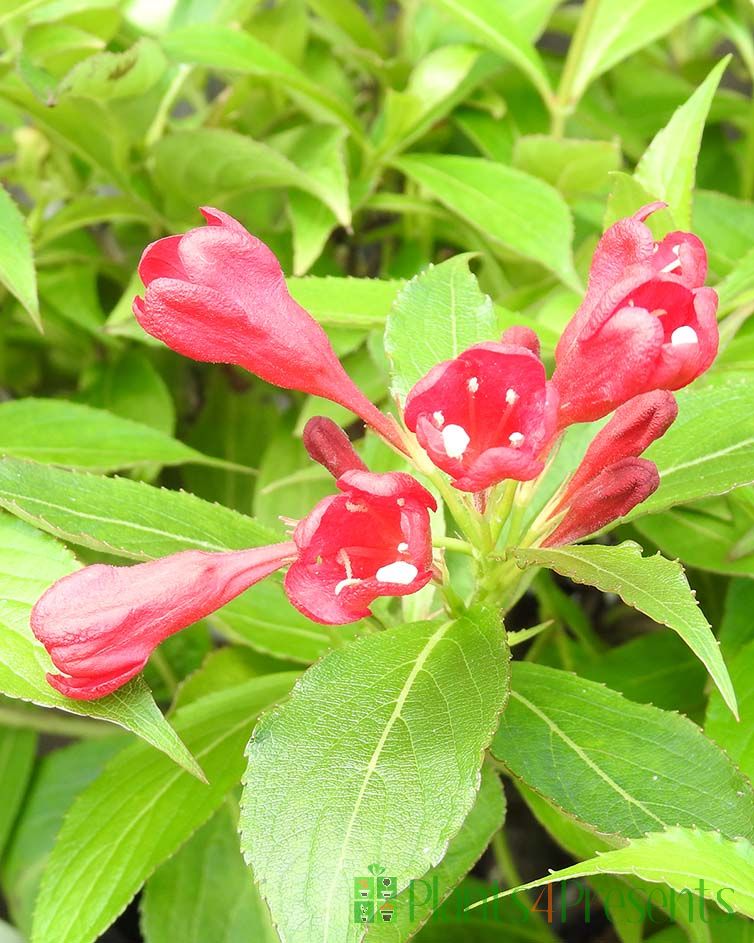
(349, 581)
(455, 439)
(516, 439)
(511, 396)
(352, 506)
(684, 335)
(473, 384)
(439, 419)
(401, 502)
(402, 548)
(631, 303)
(398, 572)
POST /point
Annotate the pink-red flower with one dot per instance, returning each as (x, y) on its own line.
(611, 479)
(101, 623)
(646, 322)
(372, 540)
(485, 416)
(218, 294)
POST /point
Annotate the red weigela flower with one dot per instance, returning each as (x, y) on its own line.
(613, 492)
(646, 322)
(485, 416)
(218, 294)
(101, 624)
(372, 540)
(633, 428)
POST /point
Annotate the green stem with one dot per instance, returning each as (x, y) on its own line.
(47, 721)
(510, 875)
(157, 127)
(453, 543)
(567, 96)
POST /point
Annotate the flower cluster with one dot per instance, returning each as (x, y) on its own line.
(490, 416)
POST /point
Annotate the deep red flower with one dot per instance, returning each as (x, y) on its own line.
(101, 623)
(646, 322)
(218, 294)
(485, 416)
(613, 492)
(372, 540)
(634, 427)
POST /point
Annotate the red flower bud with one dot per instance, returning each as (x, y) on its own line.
(328, 445)
(646, 322)
(520, 336)
(485, 416)
(218, 294)
(633, 428)
(606, 497)
(372, 540)
(101, 623)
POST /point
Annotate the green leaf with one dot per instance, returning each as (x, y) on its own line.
(435, 317)
(620, 27)
(571, 166)
(443, 79)
(16, 257)
(264, 619)
(132, 388)
(29, 562)
(668, 166)
(123, 517)
(490, 23)
(653, 585)
(332, 773)
(211, 164)
(519, 213)
(682, 858)
(58, 779)
(627, 196)
(726, 227)
(345, 302)
(415, 907)
(112, 75)
(709, 449)
(735, 737)
(57, 432)
(219, 47)
(206, 893)
(140, 810)
(704, 536)
(737, 288)
(86, 211)
(622, 769)
(17, 752)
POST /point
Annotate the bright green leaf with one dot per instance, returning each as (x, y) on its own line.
(70, 434)
(140, 810)
(519, 213)
(206, 893)
(667, 168)
(620, 768)
(120, 516)
(489, 22)
(653, 585)
(435, 317)
(16, 258)
(17, 752)
(683, 858)
(332, 773)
